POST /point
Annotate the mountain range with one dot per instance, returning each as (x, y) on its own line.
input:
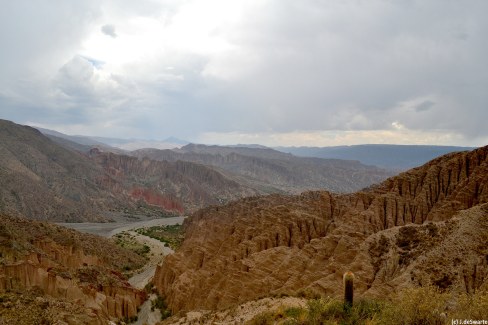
(396, 157)
(44, 180)
(426, 226)
(388, 156)
(271, 171)
(65, 178)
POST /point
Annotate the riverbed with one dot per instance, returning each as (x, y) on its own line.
(109, 229)
(157, 252)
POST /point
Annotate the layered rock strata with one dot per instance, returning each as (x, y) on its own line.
(53, 260)
(399, 233)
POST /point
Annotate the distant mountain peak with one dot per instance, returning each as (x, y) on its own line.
(176, 141)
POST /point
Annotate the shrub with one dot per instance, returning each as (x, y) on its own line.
(265, 318)
(423, 305)
(473, 306)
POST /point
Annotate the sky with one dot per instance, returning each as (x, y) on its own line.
(272, 72)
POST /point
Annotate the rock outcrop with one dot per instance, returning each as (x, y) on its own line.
(402, 232)
(67, 266)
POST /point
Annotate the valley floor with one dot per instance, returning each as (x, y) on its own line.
(156, 255)
(157, 252)
(112, 228)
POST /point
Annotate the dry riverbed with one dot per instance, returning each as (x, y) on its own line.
(157, 251)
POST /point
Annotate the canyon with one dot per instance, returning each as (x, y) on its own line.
(53, 178)
(425, 226)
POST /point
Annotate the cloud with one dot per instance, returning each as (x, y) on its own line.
(424, 106)
(109, 30)
(194, 68)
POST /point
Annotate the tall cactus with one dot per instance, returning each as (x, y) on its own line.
(348, 289)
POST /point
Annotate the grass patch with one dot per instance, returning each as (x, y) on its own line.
(127, 241)
(171, 235)
(160, 304)
(424, 305)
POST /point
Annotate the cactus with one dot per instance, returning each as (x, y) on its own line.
(348, 289)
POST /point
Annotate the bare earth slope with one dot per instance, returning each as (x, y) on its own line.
(179, 186)
(408, 230)
(43, 180)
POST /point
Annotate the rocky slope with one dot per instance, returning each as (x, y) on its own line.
(427, 225)
(271, 171)
(55, 274)
(175, 186)
(44, 180)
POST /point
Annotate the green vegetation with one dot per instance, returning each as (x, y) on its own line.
(127, 241)
(160, 304)
(425, 305)
(171, 235)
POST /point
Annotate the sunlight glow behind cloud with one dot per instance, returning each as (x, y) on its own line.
(273, 72)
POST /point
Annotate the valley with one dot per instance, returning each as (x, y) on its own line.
(261, 228)
(112, 228)
(210, 162)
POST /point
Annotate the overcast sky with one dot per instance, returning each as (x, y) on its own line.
(282, 72)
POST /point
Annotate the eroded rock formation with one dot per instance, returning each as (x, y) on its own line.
(391, 235)
(68, 266)
(176, 186)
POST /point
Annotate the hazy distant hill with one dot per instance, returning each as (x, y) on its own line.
(269, 170)
(399, 157)
(115, 144)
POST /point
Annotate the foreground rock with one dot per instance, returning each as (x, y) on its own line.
(73, 274)
(406, 231)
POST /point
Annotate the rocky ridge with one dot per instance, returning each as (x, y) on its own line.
(426, 225)
(271, 171)
(175, 186)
